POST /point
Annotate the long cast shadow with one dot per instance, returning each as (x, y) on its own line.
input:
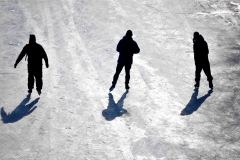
(195, 103)
(22, 110)
(114, 109)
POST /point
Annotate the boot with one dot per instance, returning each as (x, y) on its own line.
(127, 86)
(210, 84)
(39, 92)
(197, 85)
(29, 91)
(112, 87)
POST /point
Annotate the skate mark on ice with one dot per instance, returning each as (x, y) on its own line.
(22, 110)
(114, 109)
(195, 103)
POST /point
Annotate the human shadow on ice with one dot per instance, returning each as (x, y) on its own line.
(114, 109)
(22, 110)
(195, 103)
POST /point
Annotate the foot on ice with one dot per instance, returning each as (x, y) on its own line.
(39, 92)
(111, 88)
(196, 85)
(127, 86)
(210, 85)
(30, 91)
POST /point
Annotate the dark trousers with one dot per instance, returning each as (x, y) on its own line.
(118, 71)
(206, 68)
(37, 75)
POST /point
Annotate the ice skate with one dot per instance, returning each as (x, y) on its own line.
(211, 85)
(30, 91)
(196, 85)
(39, 92)
(111, 88)
(127, 87)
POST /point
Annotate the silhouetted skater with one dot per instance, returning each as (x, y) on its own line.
(34, 52)
(126, 48)
(201, 51)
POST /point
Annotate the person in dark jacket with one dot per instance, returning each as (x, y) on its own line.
(34, 52)
(201, 52)
(126, 48)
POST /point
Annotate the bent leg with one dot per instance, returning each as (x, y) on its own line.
(30, 81)
(39, 82)
(118, 71)
(198, 75)
(127, 70)
(207, 71)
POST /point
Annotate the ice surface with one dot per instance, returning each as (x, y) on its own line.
(80, 38)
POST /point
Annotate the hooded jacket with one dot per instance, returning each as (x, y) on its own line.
(126, 48)
(200, 49)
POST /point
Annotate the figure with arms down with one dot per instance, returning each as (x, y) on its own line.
(201, 52)
(126, 47)
(34, 53)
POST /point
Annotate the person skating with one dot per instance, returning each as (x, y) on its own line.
(126, 48)
(34, 52)
(201, 52)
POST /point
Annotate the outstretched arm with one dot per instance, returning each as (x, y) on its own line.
(45, 57)
(20, 57)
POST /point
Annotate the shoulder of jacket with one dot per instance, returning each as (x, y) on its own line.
(39, 45)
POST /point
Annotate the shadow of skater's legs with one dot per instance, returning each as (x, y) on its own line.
(114, 109)
(31, 106)
(23, 109)
(121, 102)
(195, 103)
(3, 115)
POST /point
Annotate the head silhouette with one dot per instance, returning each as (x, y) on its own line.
(32, 39)
(200, 38)
(129, 33)
(196, 36)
